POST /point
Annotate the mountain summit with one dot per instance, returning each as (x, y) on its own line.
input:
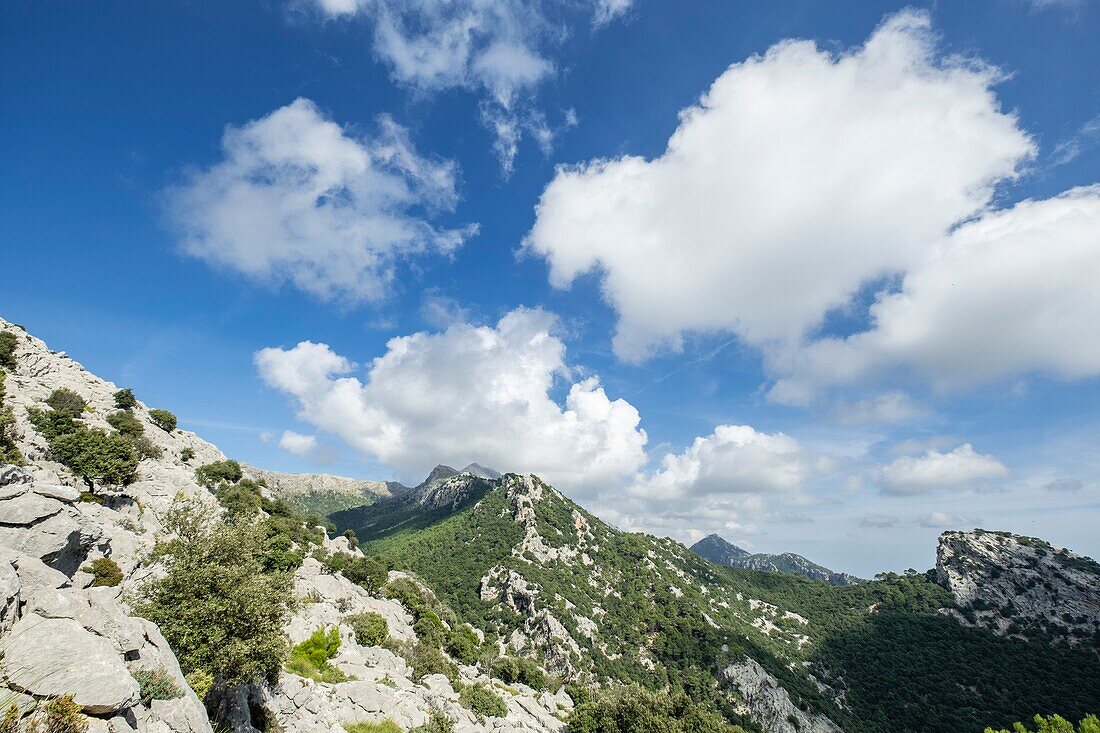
(718, 550)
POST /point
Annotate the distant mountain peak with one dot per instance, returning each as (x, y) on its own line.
(716, 549)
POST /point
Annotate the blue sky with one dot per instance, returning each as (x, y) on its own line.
(723, 294)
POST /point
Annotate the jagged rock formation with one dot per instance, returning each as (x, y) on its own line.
(760, 695)
(717, 550)
(1021, 586)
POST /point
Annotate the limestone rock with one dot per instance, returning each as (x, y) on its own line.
(52, 657)
(768, 703)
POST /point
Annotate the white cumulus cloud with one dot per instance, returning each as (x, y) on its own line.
(1011, 292)
(298, 199)
(961, 468)
(469, 393)
(298, 444)
(800, 176)
(734, 459)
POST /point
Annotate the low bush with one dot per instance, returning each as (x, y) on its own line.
(163, 419)
(125, 399)
(1055, 724)
(66, 402)
(187, 454)
(523, 671)
(311, 657)
(8, 342)
(370, 628)
(632, 709)
(218, 472)
(145, 448)
(9, 450)
(385, 726)
(367, 572)
(156, 684)
(462, 644)
(105, 571)
(96, 455)
(126, 424)
(426, 659)
(429, 629)
(482, 701)
(200, 681)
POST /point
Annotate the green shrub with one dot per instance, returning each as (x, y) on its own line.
(96, 455)
(1055, 724)
(518, 669)
(438, 722)
(187, 454)
(156, 684)
(8, 342)
(9, 450)
(385, 726)
(217, 605)
(311, 657)
(212, 474)
(429, 629)
(125, 400)
(61, 715)
(370, 628)
(462, 644)
(632, 709)
(243, 499)
(367, 572)
(163, 419)
(51, 423)
(426, 659)
(66, 402)
(126, 424)
(482, 701)
(145, 448)
(105, 570)
(90, 497)
(200, 681)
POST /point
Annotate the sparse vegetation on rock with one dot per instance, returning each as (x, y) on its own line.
(311, 657)
(163, 419)
(8, 342)
(105, 571)
(483, 701)
(370, 628)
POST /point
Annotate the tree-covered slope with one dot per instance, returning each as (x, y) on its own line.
(519, 560)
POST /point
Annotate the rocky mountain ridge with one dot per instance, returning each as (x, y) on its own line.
(718, 550)
(1021, 586)
(538, 578)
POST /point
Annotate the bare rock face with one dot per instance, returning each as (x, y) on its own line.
(1021, 586)
(762, 697)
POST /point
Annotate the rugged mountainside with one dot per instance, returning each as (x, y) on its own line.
(717, 550)
(1021, 586)
(535, 575)
(322, 493)
(61, 633)
(774, 650)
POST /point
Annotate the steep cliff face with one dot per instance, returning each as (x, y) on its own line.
(1021, 586)
(322, 493)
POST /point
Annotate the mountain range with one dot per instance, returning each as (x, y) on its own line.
(474, 600)
(719, 551)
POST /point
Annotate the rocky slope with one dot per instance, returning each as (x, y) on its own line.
(717, 550)
(60, 635)
(1021, 586)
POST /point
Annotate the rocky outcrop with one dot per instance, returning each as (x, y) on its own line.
(1020, 586)
(759, 695)
(383, 685)
(290, 485)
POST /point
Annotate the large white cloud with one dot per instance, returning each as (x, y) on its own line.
(298, 199)
(469, 393)
(959, 469)
(502, 48)
(734, 459)
(799, 177)
(1012, 292)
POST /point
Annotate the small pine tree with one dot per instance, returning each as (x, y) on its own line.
(8, 342)
(163, 419)
(125, 399)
